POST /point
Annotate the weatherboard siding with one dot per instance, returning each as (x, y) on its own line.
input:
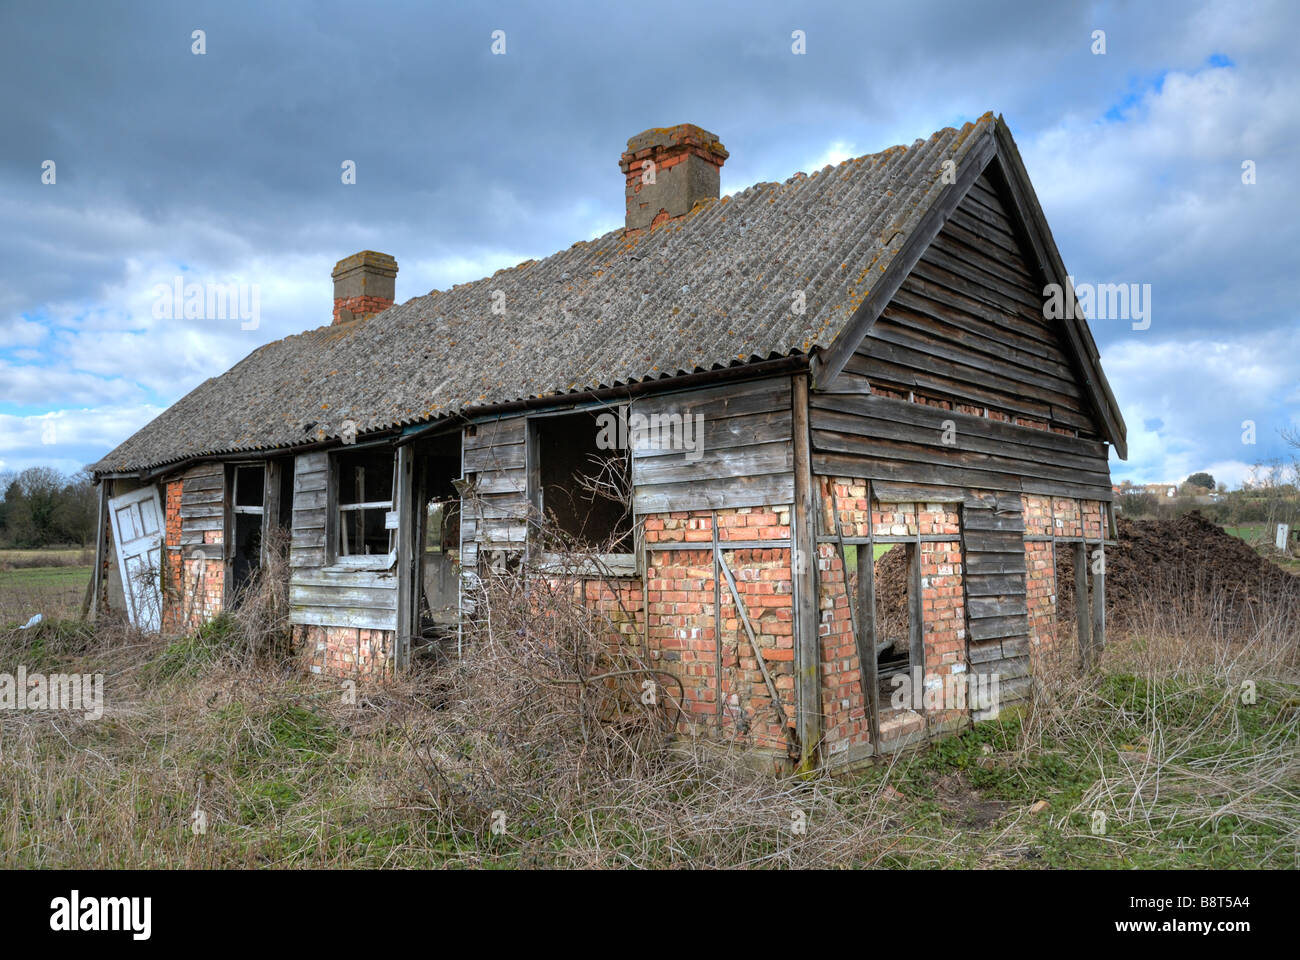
(322, 595)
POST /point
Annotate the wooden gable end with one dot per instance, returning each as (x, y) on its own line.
(965, 330)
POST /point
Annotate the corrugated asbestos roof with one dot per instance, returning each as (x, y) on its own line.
(710, 290)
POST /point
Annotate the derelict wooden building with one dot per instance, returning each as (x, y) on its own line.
(855, 358)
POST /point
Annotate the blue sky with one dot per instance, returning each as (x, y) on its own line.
(224, 167)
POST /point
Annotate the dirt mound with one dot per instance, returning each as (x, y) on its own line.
(1186, 558)
(891, 597)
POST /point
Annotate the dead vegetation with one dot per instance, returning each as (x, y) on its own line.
(545, 745)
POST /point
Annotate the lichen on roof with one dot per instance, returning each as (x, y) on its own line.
(604, 312)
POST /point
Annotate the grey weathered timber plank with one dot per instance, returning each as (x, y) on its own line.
(716, 435)
(848, 433)
(340, 617)
(407, 564)
(923, 416)
(995, 606)
(735, 462)
(1083, 620)
(899, 471)
(727, 400)
(807, 642)
(993, 541)
(502, 457)
(729, 492)
(996, 563)
(994, 584)
(990, 521)
(1099, 612)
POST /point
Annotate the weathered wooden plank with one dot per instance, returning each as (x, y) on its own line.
(734, 462)
(307, 556)
(758, 491)
(995, 562)
(191, 512)
(338, 617)
(313, 480)
(310, 500)
(993, 584)
(200, 482)
(997, 606)
(1083, 619)
(914, 493)
(1050, 443)
(310, 462)
(198, 497)
(910, 332)
(993, 541)
(846, 433)
(991, 627)
(987, 520)
(496, 433)
(501, 457)
(496, 506)
(807, 644)
(204, 523)
(961, 375)
(334, 596)
(714, 434)
(990, 651)
(717, 403)
(501, 481)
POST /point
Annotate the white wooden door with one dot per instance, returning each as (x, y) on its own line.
(137, 536)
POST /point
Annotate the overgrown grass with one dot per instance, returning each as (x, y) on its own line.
(210, 755)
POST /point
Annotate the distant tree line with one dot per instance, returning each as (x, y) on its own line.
(1270, 495)
(42, 507)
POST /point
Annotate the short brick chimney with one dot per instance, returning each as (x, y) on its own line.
(669, 170)
(364, 283)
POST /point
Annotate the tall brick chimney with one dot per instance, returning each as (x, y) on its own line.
(669, 170)
(364, 283)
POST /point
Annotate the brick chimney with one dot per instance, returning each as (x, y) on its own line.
(364, 284)
(669, 170)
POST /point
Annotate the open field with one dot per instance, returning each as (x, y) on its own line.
(51, 591)
(46, 557)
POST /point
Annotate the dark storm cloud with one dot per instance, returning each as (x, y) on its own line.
(230, 162)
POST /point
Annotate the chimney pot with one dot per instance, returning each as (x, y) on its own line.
(364, 284)
(668, 171)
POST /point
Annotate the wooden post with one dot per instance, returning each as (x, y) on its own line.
(270, 506)
(916, 618)
(1081, 616)
(717, 618)
(1099, 608)
(803, 561)
(101, 535)
(406, 591)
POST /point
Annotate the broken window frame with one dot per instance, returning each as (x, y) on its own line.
(340, 512)
(621, 564)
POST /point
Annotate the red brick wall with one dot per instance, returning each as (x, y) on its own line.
(942, 607)
(684, 640)
(344, 651)
(172, 615)
(943, 614)
(1068, 518)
